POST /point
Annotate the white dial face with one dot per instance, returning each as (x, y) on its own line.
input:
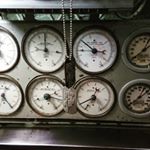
(44, 50)
(94, 97)
(8, 51)
(136, 51)
(10, 96)
(135, 98)
(45, 95)
(95, 51)
(139, 51)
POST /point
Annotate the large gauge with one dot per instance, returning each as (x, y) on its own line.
(9, 50)
(95, 96)
(11, 95)
(45, 95)
(95, 50)
(43, 49)
(136, 51)
(134, 98)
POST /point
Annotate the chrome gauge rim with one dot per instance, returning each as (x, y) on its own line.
(45, 95)
(132, 101)
(135, 51)
(95, 96)
(43, 49)
(9, 50)
(98, 47)
(11, 95)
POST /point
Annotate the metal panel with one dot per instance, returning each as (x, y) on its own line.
(120, 29)
(56, 4)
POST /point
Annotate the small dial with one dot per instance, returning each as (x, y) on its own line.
(134, 98)
(136, 51)
(44, 49)
(9, 52)
(95, 96)
(45, 95)
(10, 95)
(95, 50)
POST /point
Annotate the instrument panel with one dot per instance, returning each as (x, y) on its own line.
(112, 75)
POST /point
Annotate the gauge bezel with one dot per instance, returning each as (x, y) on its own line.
(34, 80)
(17, 48)
(121, 98)
(30, 32)
(125, 46)
(82, 81)
(12, 80)
(103, 31)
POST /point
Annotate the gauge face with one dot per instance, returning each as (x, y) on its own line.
(45, 95)
(95, 50)
(44, 49)
(95, 97)
(9, 52)
(10, 95)
(136, 51)
(134, 98)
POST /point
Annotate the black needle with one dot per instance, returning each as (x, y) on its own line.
(85, 101)
(82, 50)
(4, 98)
(143, 50)
(93, 97)
(141, 95)
(93, 50)
(87, 44)
(44, 40)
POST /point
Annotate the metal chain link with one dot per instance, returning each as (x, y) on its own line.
(70, 30)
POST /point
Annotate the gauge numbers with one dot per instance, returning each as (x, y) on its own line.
(95, 50)
(9, 52)
(10, 95)
(44, 49)
(136, 51)
(95, 97)
(134, 98)
(45, 95)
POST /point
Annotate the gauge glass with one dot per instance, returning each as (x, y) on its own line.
(44, 49)
(45, 95)
(134, 98)
(136, 51)
(10, 95)
(9, 52)
(95, 50)
(95, 97)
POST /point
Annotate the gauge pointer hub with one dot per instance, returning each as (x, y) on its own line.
(93, 97)
(94, 50)
(46, 50)
(47, 96)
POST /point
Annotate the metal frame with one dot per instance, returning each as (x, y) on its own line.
(56, 4)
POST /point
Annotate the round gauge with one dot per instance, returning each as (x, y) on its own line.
(136, 51)
(44, 49)
(95, 96)
(11, 95)
(45, 95)
(95, 50)
(134, 98)
(9, 50)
